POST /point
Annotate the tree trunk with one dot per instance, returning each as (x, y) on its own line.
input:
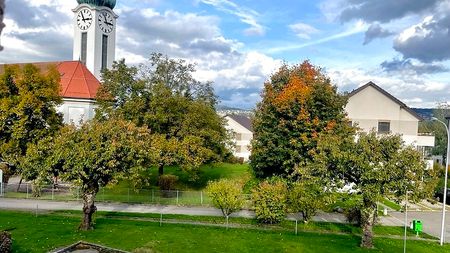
(88, 210)
(20, 182)
(161, 169)
(367, 222)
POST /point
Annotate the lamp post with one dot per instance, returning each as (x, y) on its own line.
(447, 128)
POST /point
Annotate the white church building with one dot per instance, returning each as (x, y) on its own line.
(94, 49)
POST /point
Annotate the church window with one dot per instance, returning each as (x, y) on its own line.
(83, 48)
(104, 52)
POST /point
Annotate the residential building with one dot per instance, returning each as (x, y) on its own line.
(242, 129)
(372, 108)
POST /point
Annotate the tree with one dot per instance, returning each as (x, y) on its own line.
(179, 110)
(378, 167)
(299, 105)
(227, 195)
(28, 100)
(431, 126)
(269, 200)
(95, 155)
(308, 196)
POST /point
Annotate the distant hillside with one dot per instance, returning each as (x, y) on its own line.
(425, 113)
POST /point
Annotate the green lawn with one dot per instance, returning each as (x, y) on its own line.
(190, 190)
(391, 204)
(206, 173)
(47, 231)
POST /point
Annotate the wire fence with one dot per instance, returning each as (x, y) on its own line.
(65, 192)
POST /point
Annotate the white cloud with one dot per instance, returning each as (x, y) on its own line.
(405, 88)
(246, 15)
(355, 28)
(303, 30)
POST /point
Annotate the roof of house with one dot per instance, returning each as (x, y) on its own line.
(387, 94)
(243, 121)
(76, 80)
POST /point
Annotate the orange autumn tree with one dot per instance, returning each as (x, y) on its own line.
(299, 109)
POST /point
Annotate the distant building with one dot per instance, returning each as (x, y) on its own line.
(241, 126)
(372, 108)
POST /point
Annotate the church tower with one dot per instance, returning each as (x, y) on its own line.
(95, 34)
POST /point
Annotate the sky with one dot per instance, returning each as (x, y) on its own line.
(402, 45)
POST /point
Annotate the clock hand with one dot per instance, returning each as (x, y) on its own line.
(82, 17)
(106, 22)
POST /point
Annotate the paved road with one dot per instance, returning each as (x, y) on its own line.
(431, 219)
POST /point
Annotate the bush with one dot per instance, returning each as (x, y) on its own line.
(269, 200)
(306, 197)
(226, 195)
(5, 242)
(167, 182)
(353, 215)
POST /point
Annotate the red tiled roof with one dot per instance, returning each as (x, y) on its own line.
(76, 80)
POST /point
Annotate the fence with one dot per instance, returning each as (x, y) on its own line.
(106, 194)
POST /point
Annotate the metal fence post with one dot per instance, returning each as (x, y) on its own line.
(128, 194)
(153, 194)
(53, 193)
(27, 190)
(177, 197)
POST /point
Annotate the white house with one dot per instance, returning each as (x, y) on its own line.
(372, 108)
(241, 126)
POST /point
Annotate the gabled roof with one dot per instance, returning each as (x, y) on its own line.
(243, 121)
(387, 94)
(76, 80)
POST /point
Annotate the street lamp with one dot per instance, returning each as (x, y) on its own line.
(447, 128)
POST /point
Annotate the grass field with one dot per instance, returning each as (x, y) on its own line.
(189, 191)
(48, 231)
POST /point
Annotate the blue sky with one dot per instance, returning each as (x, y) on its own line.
(402, 45)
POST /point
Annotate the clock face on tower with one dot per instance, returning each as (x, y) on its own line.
(105, 22)
(84, 19)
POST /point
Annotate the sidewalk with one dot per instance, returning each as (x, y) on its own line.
(48, 205)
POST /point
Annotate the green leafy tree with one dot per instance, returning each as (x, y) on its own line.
(307, 197)
(179, 110)
(93, 156)
(437, 129)
(227, 195)
(28, 100)
(270, 201)
(299, 105)
(380, 167)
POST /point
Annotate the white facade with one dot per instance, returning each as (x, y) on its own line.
(242, 138)
(371, 108)
(95, 38)
(77, 111)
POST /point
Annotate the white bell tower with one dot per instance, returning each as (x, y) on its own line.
(95, 35)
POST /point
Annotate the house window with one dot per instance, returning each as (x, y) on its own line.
(384, 127)
(83, 48)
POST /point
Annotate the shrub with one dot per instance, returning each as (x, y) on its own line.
(307, 197)
(167, 182)
(353, 215)
(226, 194)
(5, 242)
(269, 200)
